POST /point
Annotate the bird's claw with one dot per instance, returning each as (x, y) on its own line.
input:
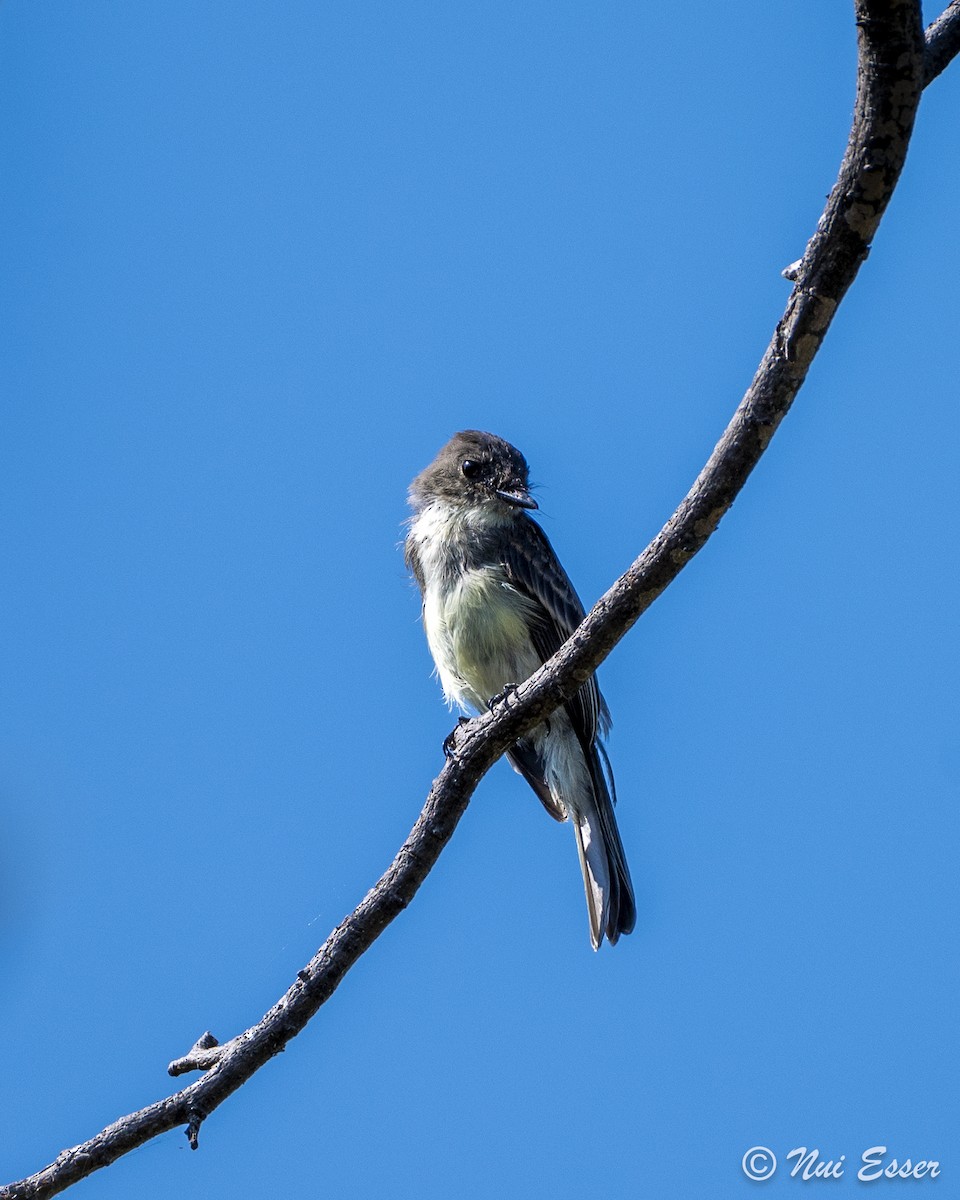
(501, 697)
(450, 741)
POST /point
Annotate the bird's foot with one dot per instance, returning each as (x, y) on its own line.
(450, 741)
(502, 697)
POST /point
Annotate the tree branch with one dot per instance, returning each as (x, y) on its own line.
(894, 64)
(943, 42)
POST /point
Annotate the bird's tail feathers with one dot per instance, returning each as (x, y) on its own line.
(596, 876)
(606, 878)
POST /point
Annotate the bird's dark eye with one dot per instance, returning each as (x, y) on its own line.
(470, 467)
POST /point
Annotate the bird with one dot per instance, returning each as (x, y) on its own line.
(496, 605)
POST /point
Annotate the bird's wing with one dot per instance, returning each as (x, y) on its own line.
(412, 559)
(533, 568)
(527, 761)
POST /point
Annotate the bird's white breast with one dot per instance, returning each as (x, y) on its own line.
(476, 622)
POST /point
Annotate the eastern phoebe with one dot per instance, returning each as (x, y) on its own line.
(496, 605)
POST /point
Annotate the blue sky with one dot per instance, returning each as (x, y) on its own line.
(258, 263)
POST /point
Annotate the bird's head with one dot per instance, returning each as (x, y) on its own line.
(475, 470)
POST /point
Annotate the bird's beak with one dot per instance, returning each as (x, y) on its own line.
(519, 497)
